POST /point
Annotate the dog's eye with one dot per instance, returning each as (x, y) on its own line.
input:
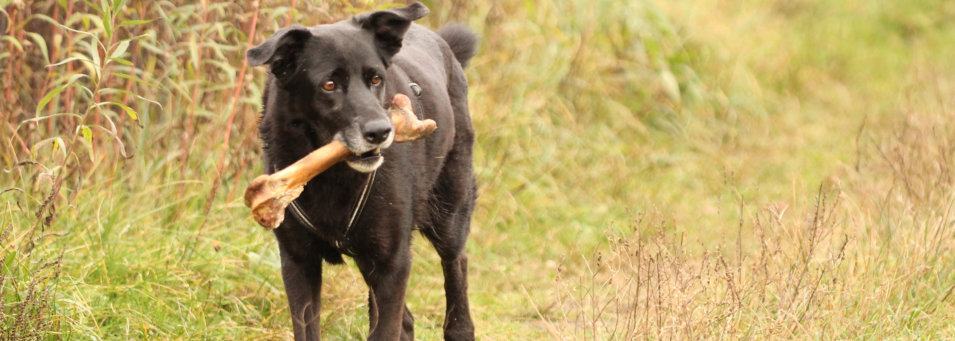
(375, 80)
(329, 86)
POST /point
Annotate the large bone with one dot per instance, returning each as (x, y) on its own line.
(268, 195)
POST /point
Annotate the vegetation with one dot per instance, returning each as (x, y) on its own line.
(647, 169)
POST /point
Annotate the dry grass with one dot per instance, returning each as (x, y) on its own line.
(27, 288)
(869, 257)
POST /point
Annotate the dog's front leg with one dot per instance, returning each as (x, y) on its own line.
(387, 280)
(302, 275)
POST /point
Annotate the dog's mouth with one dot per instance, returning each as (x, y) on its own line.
(366, 162)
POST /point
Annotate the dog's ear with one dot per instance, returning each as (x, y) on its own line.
(280, 50)
(389, 26)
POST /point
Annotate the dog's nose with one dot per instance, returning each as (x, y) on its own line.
(376, 131)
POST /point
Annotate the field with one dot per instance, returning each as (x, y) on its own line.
(648, 169)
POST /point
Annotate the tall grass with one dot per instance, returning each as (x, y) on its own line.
(647, 169)
(869, 258)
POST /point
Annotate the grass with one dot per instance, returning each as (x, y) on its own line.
(647, 169)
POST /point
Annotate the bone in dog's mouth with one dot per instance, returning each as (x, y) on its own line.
(366, 162)
(370, 153)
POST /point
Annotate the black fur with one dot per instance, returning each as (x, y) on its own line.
(462, 40)
(426, 184)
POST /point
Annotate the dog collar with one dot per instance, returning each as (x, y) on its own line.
(299, 213)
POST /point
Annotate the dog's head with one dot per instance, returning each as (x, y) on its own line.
(335, 77)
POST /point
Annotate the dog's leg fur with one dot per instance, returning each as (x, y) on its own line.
(387, 280)
(448, 233)
(302, 274)
(407, 323)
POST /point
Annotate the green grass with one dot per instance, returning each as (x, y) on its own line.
(647, 169)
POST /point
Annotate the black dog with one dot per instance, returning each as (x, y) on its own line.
(333, 82)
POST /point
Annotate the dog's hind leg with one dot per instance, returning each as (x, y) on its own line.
(457, 319)
(452, 205)
(407, 325)
(454, 262)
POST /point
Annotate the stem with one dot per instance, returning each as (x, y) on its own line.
(15, 134)
(288, 18)
(69, 67)
(49, 71)
(235, 182)
(13, 23)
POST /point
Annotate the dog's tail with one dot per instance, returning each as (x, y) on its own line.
(462, 40)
